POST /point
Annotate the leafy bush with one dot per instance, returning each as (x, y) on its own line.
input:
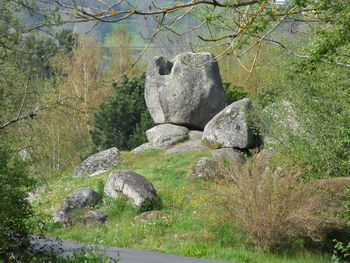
(319, 103)
(88, 256)
(83, 255)
(14, 206)
(233, 93)
(123, 119)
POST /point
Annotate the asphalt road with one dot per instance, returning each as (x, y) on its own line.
(126, 255)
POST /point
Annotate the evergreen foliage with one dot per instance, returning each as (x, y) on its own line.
(122, 120)
(14, 206)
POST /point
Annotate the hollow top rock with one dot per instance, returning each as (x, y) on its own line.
(186, 91)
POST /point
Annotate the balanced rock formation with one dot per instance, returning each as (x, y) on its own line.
(132, 185)
(99, 162)
(186, 91)
(79, 199)
(230, 127)
(164, 135)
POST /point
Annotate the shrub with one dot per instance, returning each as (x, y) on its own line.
(14, 206)
(234, 93)
(319, 101)
(277, 209)
(122, 121)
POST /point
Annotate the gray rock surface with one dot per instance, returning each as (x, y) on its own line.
(99, 162)
(164, 135)
(186, 91)
(230, 127)
(280, 120)
(228, 154)
(79, 199)
(132, 185)
(194, 145)
(206, 167)
(93, 216)
(195, 135)
(152, 215)
(142, 148)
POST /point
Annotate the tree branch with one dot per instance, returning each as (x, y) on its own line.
(31, 114)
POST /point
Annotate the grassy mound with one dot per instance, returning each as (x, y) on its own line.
(192, 228)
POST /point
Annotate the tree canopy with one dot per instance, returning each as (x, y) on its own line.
(238, 26)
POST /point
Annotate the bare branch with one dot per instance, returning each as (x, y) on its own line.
(31, 114)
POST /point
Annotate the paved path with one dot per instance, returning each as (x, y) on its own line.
(126, 255)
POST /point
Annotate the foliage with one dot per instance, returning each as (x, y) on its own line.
(83, 255)
(122, 120)
(341, 250)
(277, 210)
(62, 134)
(88, 256)
(313, 126)
(241, 26)
(14, 206)
(119, 60)
(234, 93)
(261, 200)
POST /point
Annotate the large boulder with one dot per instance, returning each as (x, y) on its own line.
(230, 127)
(99, 162)
(132, 185)
(79, 199)
(165, 135)
(186, 91)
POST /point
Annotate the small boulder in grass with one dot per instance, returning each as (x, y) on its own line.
(93, 216)
(99, 162)
(207, 168)
(132, 185)
(153, 215)
(79, 199)
(164, 135)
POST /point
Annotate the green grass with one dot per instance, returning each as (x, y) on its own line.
(192, 230)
